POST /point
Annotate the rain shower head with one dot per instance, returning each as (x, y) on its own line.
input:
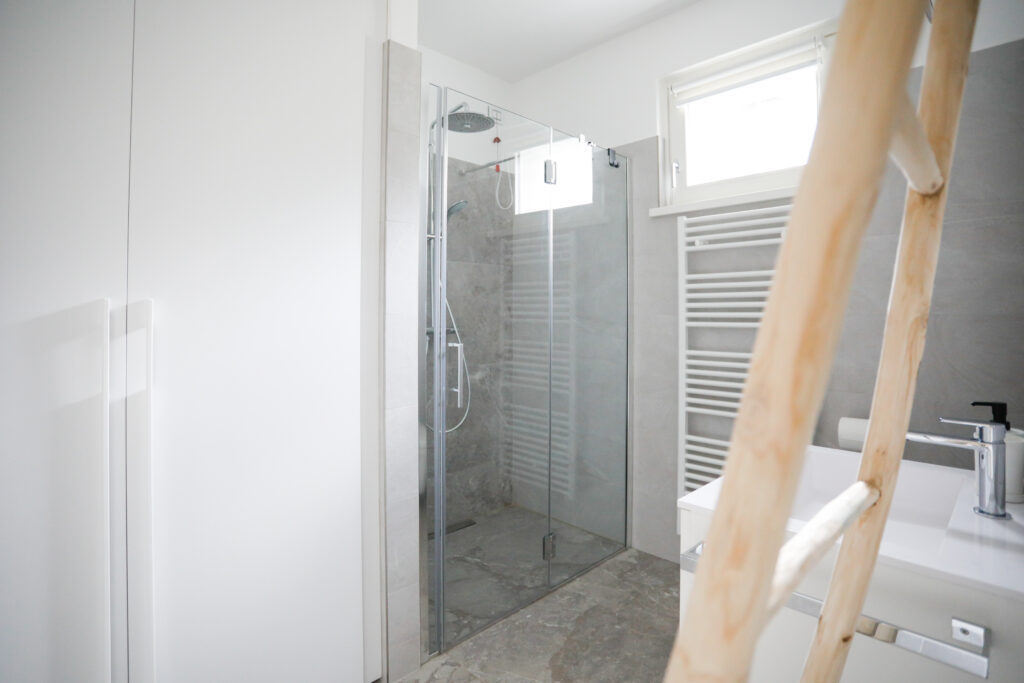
(469, 122)
(456, 207)
(461, 120)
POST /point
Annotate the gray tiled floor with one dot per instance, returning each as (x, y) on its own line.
(615, 623)
(494, 567)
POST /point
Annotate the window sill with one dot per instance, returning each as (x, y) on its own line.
(722, 202)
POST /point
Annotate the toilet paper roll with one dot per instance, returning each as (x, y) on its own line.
(852, 432)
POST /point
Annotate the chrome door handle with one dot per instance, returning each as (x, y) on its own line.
(930, 648)
(461, 364)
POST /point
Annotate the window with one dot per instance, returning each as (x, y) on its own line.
(574, 176)
(762, 126)
(744, 123)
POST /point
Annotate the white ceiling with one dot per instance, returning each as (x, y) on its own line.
(513, 39)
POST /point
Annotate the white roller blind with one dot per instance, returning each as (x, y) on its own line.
(695, 86)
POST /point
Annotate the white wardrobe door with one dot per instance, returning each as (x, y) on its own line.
(246, 204)
(65, 75)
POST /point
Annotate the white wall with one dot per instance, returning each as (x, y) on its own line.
(609, 93)
(247, 213)
(442, 70)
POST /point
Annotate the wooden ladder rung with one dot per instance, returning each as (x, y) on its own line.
(802, 552)
(912, 153)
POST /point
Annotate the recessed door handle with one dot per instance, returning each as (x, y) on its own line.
(461, 364)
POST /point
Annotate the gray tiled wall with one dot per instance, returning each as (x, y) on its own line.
(975, 345)
(484, 269)
(655, 357)
(474, 483)
(594, 268)
(401, 400)
(975, 342)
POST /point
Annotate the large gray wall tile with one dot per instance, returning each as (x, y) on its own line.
(655, 357)
(475, 483)
(974, 348)
(401, 348)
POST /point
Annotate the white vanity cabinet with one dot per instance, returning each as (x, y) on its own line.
(938, 561)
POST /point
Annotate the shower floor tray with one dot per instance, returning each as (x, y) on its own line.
(494, 567)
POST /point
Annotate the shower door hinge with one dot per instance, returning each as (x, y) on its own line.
(548, 546)
(550, 171)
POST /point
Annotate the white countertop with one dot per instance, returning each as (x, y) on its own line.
(932, 527)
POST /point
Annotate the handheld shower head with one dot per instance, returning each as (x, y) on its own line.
(456, 207)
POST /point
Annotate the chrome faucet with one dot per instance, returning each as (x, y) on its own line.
(989, 449)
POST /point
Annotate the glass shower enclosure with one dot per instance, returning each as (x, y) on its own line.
(523, 372)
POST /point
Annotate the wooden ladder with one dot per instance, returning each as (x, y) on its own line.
(746, 573)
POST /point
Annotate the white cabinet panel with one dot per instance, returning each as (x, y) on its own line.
(65, 75)
(246, 218)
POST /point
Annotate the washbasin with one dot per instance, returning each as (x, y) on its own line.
(931, 526)
(925, 494)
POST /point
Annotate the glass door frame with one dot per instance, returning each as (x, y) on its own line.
(437, 286)
(436, 318)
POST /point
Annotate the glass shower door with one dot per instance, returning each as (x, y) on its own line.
(524, 337)
(486, 368)
(589, 377)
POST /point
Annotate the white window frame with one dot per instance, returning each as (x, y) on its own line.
(762, 60)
